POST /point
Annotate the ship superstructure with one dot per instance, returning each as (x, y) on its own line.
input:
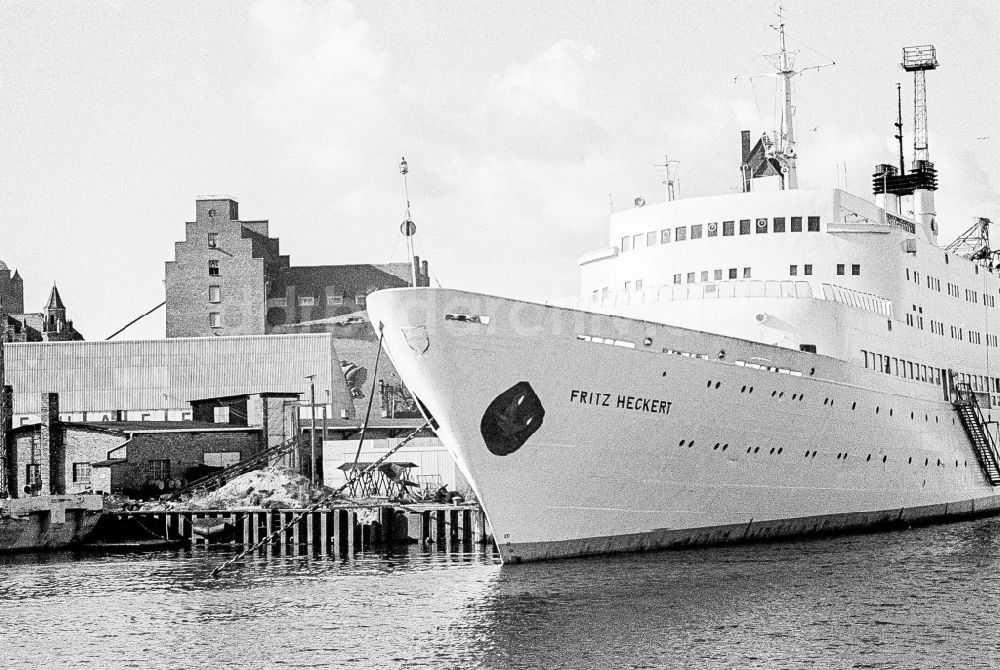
(773, 362)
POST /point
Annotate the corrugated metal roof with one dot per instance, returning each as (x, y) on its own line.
(167, 374)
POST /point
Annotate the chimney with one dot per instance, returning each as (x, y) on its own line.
(416, 271)
(8, 454)
(51, 438)
(425, 273)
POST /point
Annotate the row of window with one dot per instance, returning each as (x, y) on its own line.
(716, 276)
(697, 230)
(310, 301)
(934, 284)
(925, 373)
(915, 319)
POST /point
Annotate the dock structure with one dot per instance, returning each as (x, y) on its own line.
(334, 531)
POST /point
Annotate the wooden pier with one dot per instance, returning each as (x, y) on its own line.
(336, 530)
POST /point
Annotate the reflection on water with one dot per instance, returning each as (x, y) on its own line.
(921, 598)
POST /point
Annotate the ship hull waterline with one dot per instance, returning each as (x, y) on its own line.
(634, 448)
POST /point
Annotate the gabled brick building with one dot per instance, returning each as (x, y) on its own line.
(228, 277)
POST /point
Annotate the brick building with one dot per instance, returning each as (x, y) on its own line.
(228, 277)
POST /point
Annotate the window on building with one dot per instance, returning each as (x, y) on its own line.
(855, 269)
(761, 225)
(306, 301)
(813, 224)
(704, 275)
(215, 294)
(81, 473)
(840, 268)
(713, 229)
(158, 468)
(796, 224)
(732, 273)
(651, 239)
(222, 459)
(727, 228)
(213, 268)
(744, 226)
(807, 269)
(360, 299)
(33, 476)
(718, 275)
(746, 273)
(664, 236)
(690, 278)
(779, 224)
(696, 231)
(626, 243)
(793, 270)
(680, 234)
(220, 414)
(677, 279)
(335, 299)
(214, 320)
(213, 240)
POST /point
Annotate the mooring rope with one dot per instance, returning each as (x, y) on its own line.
(319, 503)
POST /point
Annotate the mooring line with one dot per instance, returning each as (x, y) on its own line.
(319, 503)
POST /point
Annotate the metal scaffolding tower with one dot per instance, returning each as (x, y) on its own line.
(918, 60)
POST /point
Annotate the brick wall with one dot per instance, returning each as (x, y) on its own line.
(51, 444)
(86, 447)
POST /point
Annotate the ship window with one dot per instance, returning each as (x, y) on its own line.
(680, 234)
(690, 278)
(855, 269)
(796, 224)
(713, 229)
(732, 273)
(813, 224)
(907, 274)
(696, 231)
(727, 228)
(596, 296)
(664, 236)
(628, 287)
(718, 275)
(761, 225)
(840, 268)
(746, 273)
(636, 241)
(677, 279)
(793, 270)
(638, 284)
(779, 224)
(807, 269)
(651, 239)
(744, 226)
(626, 243)
(704, 275)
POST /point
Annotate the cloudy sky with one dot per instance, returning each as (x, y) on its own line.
(522, 123)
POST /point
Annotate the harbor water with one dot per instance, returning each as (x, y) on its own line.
(920, 598)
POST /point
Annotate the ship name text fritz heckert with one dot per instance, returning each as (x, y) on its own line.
(631, 402)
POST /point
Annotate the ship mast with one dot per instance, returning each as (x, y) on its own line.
(786, 144)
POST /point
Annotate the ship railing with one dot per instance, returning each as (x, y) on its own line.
(800, 290)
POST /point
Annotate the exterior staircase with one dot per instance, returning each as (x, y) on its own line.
(256, 461)
(975, 427)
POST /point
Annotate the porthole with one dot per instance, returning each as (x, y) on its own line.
(664, 373)
(725, 446)
(744, 389)
(716, 446)
(718, 384)
(756, 449)
(935, 419)
(838, 456)
(802, 396)
(939, 462)
(878, 409)
(781, 395)
(910, 460)
(926, 462)
(812, 371)
(911, 415)
(682, 443)
(709, 383)
(890, 411)
(774, 393)
(690, 444)
(854, 405)
(780, 449)
(807, 453)
(772, 451)
(869, 458)
(814, 453)
(956, 464)
(749, 449)
(885, 458)
(926, 418)
(751, 389)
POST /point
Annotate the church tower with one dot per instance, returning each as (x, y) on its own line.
(54, 315)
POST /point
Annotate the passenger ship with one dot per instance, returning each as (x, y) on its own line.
(775, 362)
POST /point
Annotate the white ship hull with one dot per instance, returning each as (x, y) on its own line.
(637, 447)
